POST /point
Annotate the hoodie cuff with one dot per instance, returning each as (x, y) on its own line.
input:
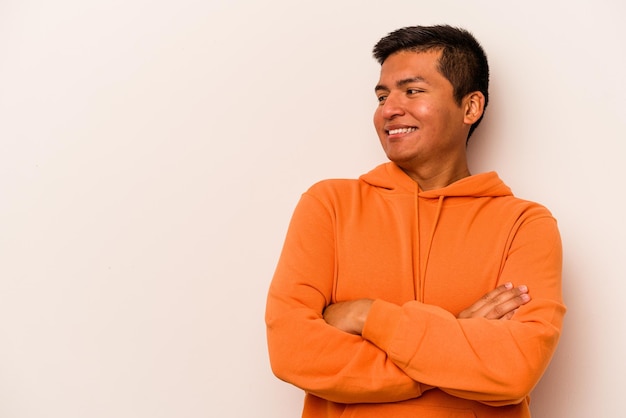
(381, 324)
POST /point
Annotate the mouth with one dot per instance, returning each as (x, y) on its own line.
(399, 131)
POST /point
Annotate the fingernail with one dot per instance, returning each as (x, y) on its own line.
(525, 297)
(523, 288)
(508, 285)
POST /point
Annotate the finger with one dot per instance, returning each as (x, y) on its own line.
(508, 307)
(508, 315)
(496, 304)
(502, 302)
(486, 299)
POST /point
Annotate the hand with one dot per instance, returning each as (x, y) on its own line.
(500, 303)
(348, 316)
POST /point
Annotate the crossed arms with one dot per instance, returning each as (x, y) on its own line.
(371, 350)
(501, 303)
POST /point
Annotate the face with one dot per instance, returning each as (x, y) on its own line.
(417, 120)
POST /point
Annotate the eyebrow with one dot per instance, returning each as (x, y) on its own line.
(401, 83)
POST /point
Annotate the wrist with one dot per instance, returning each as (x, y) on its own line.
(362, 310)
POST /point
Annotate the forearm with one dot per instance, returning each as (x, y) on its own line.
(485, 360)
(331, 364)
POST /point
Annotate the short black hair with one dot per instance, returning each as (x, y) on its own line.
(463, 61)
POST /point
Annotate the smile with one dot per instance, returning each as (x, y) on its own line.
(401, 131)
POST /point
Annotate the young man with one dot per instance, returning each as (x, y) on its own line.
(393, 295)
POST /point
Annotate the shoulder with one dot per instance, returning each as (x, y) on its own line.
(527, 207)
(512, 203)
(384, 176)
(334, 190)
(332, 185)
(528, 215)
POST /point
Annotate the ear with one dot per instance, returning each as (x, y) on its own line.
(474, 105)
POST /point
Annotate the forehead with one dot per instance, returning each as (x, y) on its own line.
(409, 64)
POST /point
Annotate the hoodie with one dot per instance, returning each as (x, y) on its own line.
(423, 256)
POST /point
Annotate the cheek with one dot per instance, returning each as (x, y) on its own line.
(423, 110)
(378, 119)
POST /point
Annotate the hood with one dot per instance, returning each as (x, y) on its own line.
(389, 176)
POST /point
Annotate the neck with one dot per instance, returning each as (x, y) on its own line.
(437, 179)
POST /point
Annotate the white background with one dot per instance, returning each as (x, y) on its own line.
(151, 154)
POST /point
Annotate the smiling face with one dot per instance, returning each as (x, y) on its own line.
(420, 125)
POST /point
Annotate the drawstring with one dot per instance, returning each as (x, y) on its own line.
(430, 244)
(416, 245)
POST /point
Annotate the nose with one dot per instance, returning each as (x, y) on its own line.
(392, 107)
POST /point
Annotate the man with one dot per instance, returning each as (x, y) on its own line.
(393, 295)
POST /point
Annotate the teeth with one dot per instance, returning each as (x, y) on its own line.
(401, 131)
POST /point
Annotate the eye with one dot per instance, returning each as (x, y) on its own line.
(381, 99)
(412, 92)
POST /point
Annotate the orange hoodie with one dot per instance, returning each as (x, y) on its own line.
(424, 256)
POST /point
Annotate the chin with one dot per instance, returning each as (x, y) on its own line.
(399, 157)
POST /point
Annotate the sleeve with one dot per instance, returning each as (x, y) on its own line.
(494, 362)
(304, 350)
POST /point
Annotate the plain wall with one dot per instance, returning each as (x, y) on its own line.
(151, 154)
